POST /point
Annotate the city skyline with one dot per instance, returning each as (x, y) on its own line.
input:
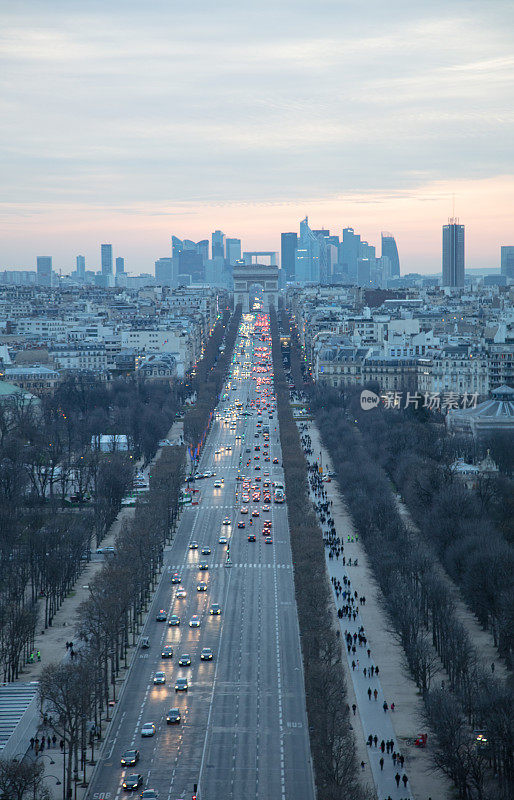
(202, 118)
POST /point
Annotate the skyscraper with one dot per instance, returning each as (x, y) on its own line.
(81, 267)
(233, 249)
(349, 250)
(106, 251)
(44, 270)
(120, 265)
(164, 271)
(288, 245)
(390, 250)
(453, 254)
(218, 244)
(507, 261)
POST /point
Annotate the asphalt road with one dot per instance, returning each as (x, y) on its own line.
(244, 728)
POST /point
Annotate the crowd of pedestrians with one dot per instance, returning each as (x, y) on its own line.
(348, 602)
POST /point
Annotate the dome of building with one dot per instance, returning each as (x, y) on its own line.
(493, 415)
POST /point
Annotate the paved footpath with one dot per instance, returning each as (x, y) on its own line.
(393, 685)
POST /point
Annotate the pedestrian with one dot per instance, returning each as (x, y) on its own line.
(392, 706)
(39, 655)
(353, 665)
(354, 708)
(369, 692)
(382, 745)
(375, 694)
(369, 653)
(362, 764)
(381, 763)
(376, 670)
(370, 740)
(48, 742)
(397, 778)
(385, 707)
(31, 742)
(54, 740)
(364, 671)
(61, 745)
(405, 780)
(402, 759)
(492, 667)
(394, 758)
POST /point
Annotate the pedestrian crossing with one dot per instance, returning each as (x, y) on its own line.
(177, 567)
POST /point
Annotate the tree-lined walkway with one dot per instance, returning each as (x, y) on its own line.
(393, 685)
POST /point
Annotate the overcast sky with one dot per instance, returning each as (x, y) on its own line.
(126, 121)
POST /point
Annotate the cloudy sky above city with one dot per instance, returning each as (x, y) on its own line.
(126, 121)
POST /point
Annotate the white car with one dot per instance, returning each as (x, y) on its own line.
(148, 729)
(218, 484)
(159, 678)
(194, 622)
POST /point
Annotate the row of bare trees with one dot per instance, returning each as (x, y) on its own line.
(420, 604)
(75, 693)
(331, 737)
(47, 457)
(210, 376)
(470, 528)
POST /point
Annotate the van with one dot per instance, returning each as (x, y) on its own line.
(145, 642)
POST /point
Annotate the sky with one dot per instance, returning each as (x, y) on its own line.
(127, 122)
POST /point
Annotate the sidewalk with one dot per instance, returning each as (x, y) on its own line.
(394, 684)
(52, 645)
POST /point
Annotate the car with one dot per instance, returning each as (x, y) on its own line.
(105, 550)
(173, 716)
(266, 509)
(244, 509)
(203, 565)
(159, 678)
(194, 622)
(201, 586)
(206, 654)
(257, 467)
(148, 729)
(129, 758)
(241, 523)
(255, 512)
(174, 621)
(266, 458)
(175, 578)
(226, 521)
(268, 540)
(275, 460)
(251, 538)
(206, 551)
(181, 685)
(193, 546)
(161, 616)
(217, 452)
(145, 642)
(185, 660)
(181, 593)
(149, 794)
(132, 782)
(167, 651)
(218, 484)
(222, 540)
(215, 609)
